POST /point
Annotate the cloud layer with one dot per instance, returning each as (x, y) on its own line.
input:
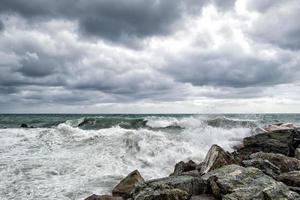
(182, 56)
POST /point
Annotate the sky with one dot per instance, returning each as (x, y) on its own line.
(141, 56)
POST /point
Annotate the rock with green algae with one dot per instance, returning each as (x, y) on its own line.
(264, 165)
(160, 192)
(191, 184)
(234, 182)
(284, 163)
(290, 178)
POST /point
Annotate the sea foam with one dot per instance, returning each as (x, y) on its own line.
(68, 162)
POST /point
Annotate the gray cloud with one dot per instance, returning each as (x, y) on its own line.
(1, 25)
(45, 60)
(113, 20)
(280, 16)
(228, 69)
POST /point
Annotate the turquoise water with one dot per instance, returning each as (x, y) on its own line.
(70, 157)
(136, 121)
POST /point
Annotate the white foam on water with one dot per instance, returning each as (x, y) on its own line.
(71, 163)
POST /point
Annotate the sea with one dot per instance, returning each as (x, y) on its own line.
(71, 156)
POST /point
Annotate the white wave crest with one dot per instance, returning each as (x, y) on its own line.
(71, 163)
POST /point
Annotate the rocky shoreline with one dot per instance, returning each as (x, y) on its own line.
(265, 166)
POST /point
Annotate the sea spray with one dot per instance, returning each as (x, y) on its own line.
(68, 161)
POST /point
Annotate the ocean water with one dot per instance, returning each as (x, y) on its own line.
(73, 156)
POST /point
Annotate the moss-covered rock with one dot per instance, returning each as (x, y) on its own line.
(234, 182)
(284, 163)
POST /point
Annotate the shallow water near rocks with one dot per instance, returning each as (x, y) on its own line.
(73, 156)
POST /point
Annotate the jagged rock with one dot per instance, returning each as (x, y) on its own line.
(203, 197)
(297, 153)
(191, 185)
(268, 142)
(266, 166)
(234, 182)
(216, 158)
(125, 187)
(290, 178)
(160, 192)
(284, 163)
(103, 197)
(276, 138)
(183, 167)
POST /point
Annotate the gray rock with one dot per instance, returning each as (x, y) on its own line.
(297, 153)
(125, 187)
(103, 197)
(159, 192)
(284, 163)
(216, 158)
(182, 167)
(234, 182)
(203, 197)
(191, 185)
(266, 166)
(277, 142)
(290, 178)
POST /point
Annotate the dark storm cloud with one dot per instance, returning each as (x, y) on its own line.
(114, 20)
(46, 60)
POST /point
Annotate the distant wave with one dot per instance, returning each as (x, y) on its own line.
(159, 123)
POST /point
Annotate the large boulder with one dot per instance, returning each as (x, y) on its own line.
(103, 197)
(216, 158)
(125, 187)
(264, 165)
(276, 138)
(182, 167)
(290, 178)
(284, 163)
(234, 182)
(190, 184)
(160, 192)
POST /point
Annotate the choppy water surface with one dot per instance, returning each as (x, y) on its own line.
(72, 156)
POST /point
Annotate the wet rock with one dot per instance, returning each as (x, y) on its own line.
(266, 166)
(295, 189)
(284, 163)
(103, 197)
(268, 142)
(297, 153)
(159, 192)
(182, 167)
(234, 182)
(203, 197)
(192, 185)
(125, 187)
(290, 178)
(191, 173)
(277, 127)
(24, 126)
(216, 158)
